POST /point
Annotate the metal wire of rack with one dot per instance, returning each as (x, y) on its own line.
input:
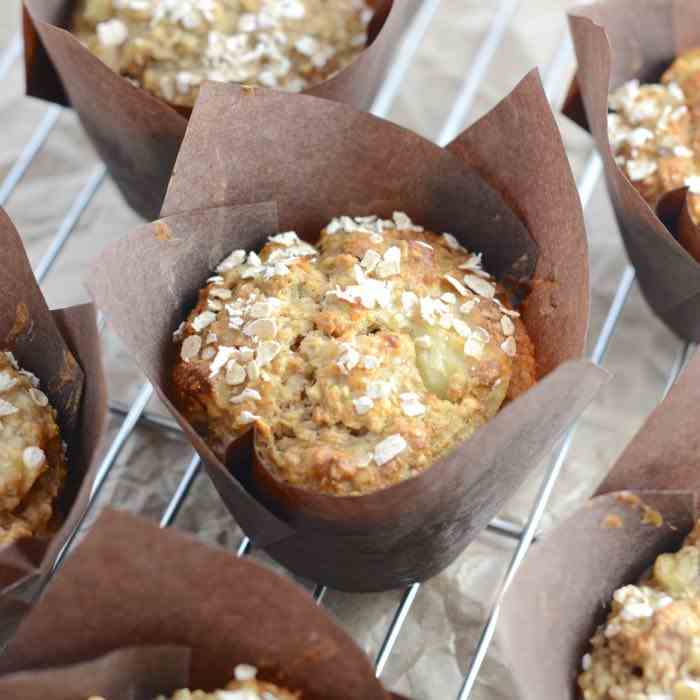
(135, 412)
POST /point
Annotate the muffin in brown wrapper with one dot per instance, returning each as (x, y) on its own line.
(141, 586)
(170, 48)
(313, 160)
(138, 135)
(360, 361)
(615, 42)
(646, 506)
(62, 349)
(137, 673)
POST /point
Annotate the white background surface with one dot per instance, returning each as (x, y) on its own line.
(443, 627)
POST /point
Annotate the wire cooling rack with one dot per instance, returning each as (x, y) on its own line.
(134, 413)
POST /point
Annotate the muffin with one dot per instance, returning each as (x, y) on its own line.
(649, 648)
(246, 686)
(169, 47)
(359, 361)
(32, 461)
(653, 131)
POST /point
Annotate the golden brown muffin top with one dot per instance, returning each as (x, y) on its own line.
(360, 361)
(169, 47)
(653, 131)
(649, 648)
(32, 466)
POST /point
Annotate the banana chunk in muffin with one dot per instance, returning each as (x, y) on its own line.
(360, 361)
(32, 466)
(649, 647)
(169, 47)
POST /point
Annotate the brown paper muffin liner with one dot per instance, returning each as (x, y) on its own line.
(136, 673)
(564, 588)
(617, 41)
(138, 135)
(256, 162)
(138, 585)
(62, 348)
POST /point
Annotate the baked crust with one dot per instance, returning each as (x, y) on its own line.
(169, 47)
(32, 466)
(360, 361)
(650, 644)
(653, 131)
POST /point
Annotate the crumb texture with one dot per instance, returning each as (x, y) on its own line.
(32, 466)
(653, 131)
(359, 361)
(169, 47)
(649, 647)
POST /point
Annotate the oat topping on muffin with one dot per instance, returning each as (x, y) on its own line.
(653, 131)
(649, 648)
(169, 47)
(245, 686)
(360, 361)
(32, 467)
